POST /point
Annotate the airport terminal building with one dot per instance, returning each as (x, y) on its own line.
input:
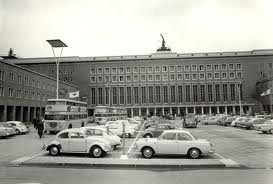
(166, 82)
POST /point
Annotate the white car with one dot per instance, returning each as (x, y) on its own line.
(174, 142)
(266, 127)
(19, 127)
(4, 132)
(116, 127)
(98, 131)
(76, 140)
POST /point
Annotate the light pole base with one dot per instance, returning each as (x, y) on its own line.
(123, 157)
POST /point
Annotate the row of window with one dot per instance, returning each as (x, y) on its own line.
(166, 77)
(27, 81)
(171, 68)
(20, 94)
(165, 94)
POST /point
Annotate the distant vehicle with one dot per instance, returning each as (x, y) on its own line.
(98, 131)
(227, 121)
(250, 122)
(266, 127)
(4, 132)
(76, 140)
(174, 142)
(11, 130)
(19, 127)
(61, 114)
(210, 121)
(238, 120)
(103, 114)
(190, 121)
(157, 129)
(116, 127)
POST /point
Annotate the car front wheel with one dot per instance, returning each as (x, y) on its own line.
(54, 150)
(17, 131)
(148, 136)
(194, 153)
(147, 152)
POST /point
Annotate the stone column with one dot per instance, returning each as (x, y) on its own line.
(186, 110)
(13, 113)
(250, 109)
(154, 111)
(132, 112)
(178, 111)
(5, 113)
(226, 110)
(209, 109)
(194, 110)
(28, 114)
(171, 110)
(163, 113)
(202, 110)
(218, 111)
(34, 112)
(233, 110)
(139, 111)
(147, 111)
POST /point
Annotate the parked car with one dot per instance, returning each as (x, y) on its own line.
(222, 119)
(190, 121)
(156, 122)
(98, 131)
(157, 129)
(4, 132)
(252, 121)
(210, 121)
(174, 142)
(227, 121)
(9, 127)
(117, 128)
(237, 120)
(265, 127)
(19, 127)
(77, 140)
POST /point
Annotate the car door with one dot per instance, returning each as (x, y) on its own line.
(63, 139)
(77, 142)
(184, 143)
(167, 143)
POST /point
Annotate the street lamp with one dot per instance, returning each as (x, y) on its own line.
(240, 98)
(57, 44)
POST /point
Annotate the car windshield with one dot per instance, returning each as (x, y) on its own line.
(5, 124)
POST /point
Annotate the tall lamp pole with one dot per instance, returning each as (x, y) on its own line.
(57, 44)
(240, 98)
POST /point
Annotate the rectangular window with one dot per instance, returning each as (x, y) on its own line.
(209, 67)
(121, 70)
(128, 69)
(142, 69)
(136, 95)
(135, 69)
(157, 94)
(150, 77)
(231, 75)
(10, 92)
(180, 94)
(150, 69)
(202, 93)
(194, 76)
(143, 95)
(107, 94)
(231, 66)
(172, 94)
(135, 77)
(26, 94)
(238, 66)
(121, 78)
(187, 76)
(179, 76)
(99, 79)
(194, 67)
(217, 75)
(171, 68)
(19, 79)
(187, 68)
(32, 96)
(239, 75)
(115, 97)
(201, 68)
(216, 67)
(129, 95)
(143, 77)
(179, 68)
(232, 92)
(164, 68)
(121, 95)
(157, 69)
(100, 71)
(151, 94)
(209, 75)
(114, 78)
(157, 77)
(210, 93)
(217, 92)
(93, 79)
(107, 70)
(11, 77)
(100, 96)
(224, 75)
(224, 66)
(128, 78)
(19, 94)
(107, 78)
(93, 96)
(114, 70)
(195, 93)
(172, 77)
(188, 93)
(92, 71)
(165, 94)
(201, 76)
(2, 89)
(225, 97)
(165, 77)
(2, 75)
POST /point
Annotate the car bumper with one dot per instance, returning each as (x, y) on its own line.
(211, 151)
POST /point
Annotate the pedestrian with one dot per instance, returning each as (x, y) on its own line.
(34, 122)
(184, 122)
(40, 128)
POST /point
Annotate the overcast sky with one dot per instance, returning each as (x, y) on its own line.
(126, 27)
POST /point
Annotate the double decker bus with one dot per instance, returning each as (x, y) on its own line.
(103, 114)
(61, 114)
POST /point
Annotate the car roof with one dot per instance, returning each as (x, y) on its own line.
(71, 130)
(176, 131)
(93, 127)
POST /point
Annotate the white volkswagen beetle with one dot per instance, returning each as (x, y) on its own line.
(77, 140)
(174, 142)
(98, 131)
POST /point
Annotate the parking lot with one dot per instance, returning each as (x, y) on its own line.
(249, 148)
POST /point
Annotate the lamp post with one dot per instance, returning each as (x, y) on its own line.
(57, 44)
(240, 98)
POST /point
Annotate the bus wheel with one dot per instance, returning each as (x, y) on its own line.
(82, 124)
(70, 126)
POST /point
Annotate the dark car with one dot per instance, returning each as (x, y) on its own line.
(228, 121)
(156, 129)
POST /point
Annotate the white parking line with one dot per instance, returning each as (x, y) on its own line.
(136, 138)
(219, 155)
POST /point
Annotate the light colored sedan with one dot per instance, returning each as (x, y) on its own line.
(76, 140)
(19, 127)
(99, 131)
(4, 132)
(174, 142)
(266, 127)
